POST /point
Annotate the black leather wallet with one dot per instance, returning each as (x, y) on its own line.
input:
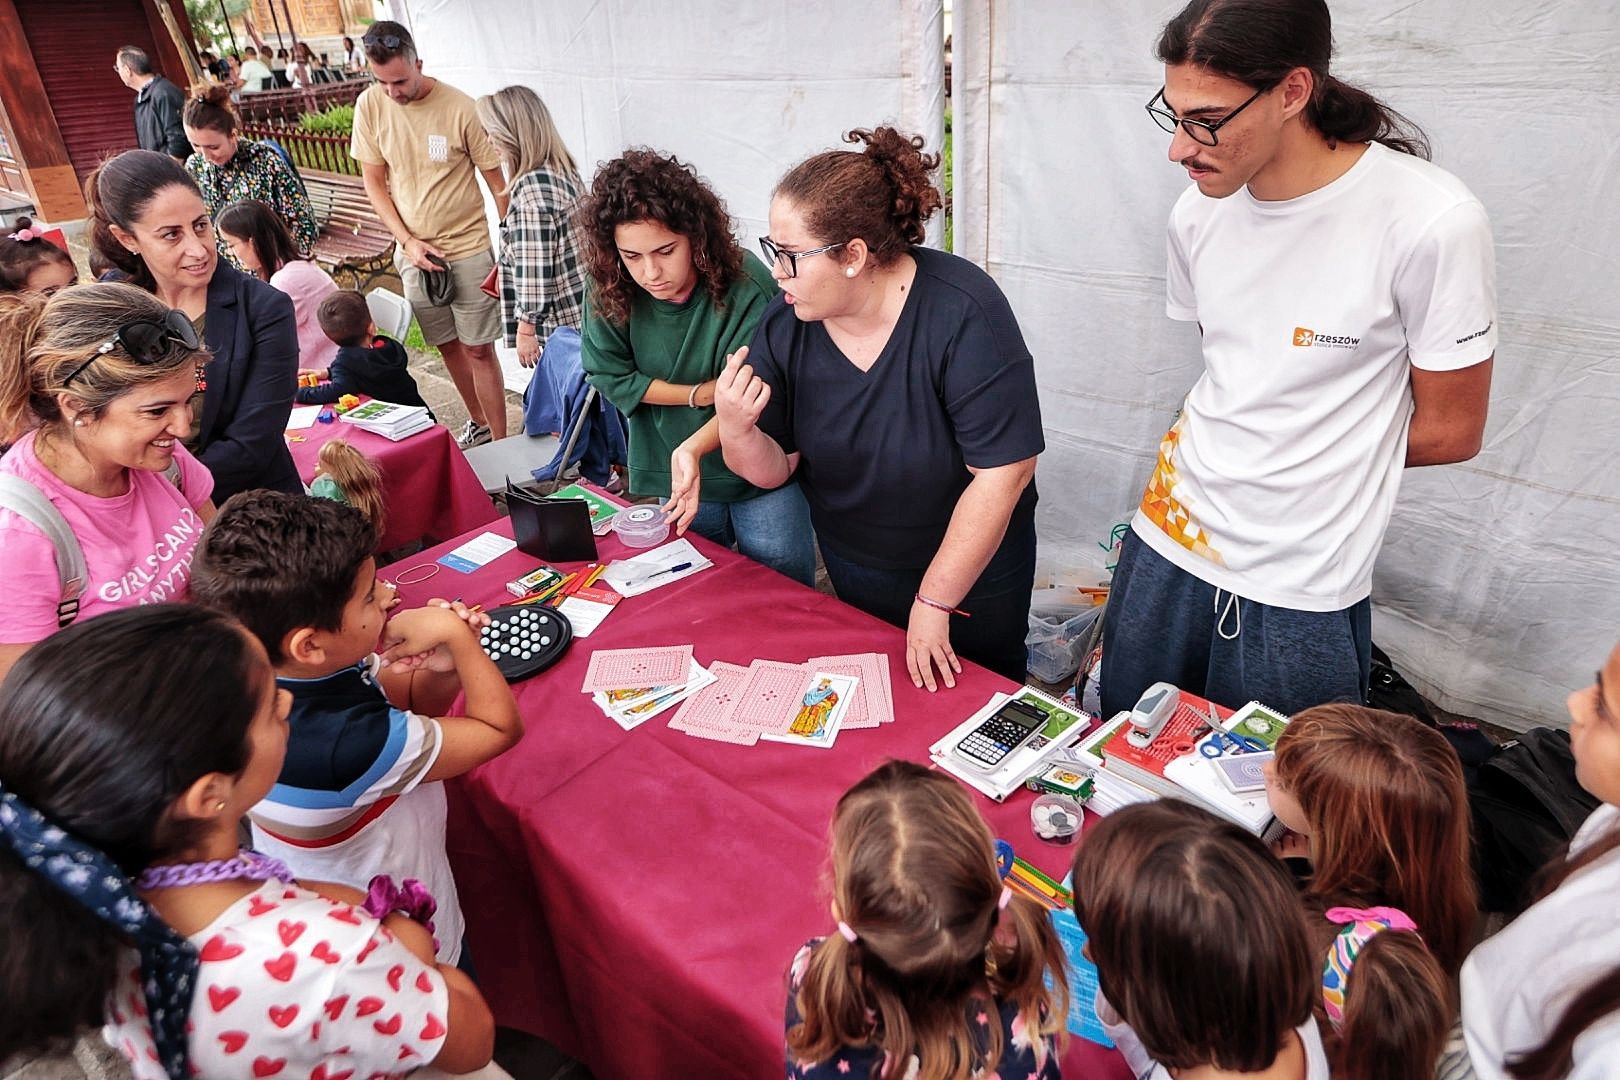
(556, 530)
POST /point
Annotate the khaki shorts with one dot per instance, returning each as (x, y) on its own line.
(472, 317)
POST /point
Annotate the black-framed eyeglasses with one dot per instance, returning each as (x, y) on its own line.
(1201, 131)
(387, 41)
(788, 261)
(145, 341)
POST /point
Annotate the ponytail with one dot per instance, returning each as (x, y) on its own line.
(20, 316)
(1345, 113)
(1398, 1009)
(1022, 959)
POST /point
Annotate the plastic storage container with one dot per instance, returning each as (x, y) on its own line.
(641, 526)
(1056, 639)
(1055, 818)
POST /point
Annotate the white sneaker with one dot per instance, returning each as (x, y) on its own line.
(472, 434)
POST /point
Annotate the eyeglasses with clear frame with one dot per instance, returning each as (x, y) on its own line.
(789, 260)
(1201, 131)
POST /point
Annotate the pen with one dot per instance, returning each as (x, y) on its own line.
(677, 568)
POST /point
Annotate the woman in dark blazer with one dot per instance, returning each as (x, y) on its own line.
(148, 220)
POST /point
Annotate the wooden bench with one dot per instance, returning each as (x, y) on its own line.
(353, 246)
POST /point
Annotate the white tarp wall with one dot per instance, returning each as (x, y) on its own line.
(740, 91)
(1498, 589)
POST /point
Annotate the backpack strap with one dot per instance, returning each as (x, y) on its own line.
(29, 503)
(173, 475)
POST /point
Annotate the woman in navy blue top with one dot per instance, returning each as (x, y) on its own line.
(893, 382)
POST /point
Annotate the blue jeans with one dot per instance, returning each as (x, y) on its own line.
(1164, 624)
(998, 603)
(773, 528)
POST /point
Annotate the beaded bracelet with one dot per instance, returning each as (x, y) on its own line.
(921, 599)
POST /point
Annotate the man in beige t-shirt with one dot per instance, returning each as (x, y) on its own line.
(419, 144)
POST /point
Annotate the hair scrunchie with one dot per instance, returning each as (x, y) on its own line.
(1361, 926)
(169, 962)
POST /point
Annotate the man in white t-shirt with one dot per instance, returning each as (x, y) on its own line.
(255, 74)
(1345, 290)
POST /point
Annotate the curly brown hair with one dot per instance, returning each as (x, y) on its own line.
(881, 194)
(645, 185)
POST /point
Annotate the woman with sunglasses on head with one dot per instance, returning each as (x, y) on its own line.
(148, 219)
(671, 294)
(892, 382)
(95, 386)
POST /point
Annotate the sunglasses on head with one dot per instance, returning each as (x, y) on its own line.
(387, 41)
(145, 341)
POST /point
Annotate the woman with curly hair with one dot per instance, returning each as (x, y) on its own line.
(893, 382)
(671, 294)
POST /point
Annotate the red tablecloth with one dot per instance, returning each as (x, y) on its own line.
(431, 490)
(635, 897)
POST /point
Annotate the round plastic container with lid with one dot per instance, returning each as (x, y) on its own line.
(1055, 818)
(641, 526)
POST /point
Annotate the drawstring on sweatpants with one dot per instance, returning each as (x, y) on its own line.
(1233, 605)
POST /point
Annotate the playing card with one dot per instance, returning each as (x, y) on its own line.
(703, 714)
(770, 697)
(869, 704)
(616, 669)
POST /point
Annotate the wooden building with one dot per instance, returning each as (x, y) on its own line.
(62, 107)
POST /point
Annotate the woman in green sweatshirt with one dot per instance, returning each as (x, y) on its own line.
(671, 294)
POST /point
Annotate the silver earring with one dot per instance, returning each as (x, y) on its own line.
(849, 271)
(78, 421)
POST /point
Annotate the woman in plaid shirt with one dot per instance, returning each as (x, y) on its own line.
(542, 281)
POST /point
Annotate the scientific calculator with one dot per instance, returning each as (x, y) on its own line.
(1005, 730)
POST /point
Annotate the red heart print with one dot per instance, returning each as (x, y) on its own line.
(387, 1027)
(257, 906)
(221, 996)
(344, 914)
(405, 1052)
(263, 1066)
(432, 1029)
(137, 1004)
(323, 952)
(282, 967)
(282, 1015)
(423, 983)
(395, 974)
(217, 948)
(118, 1017)
(320, 1073)
(334, 1007)
(233, 1040)
(289, 931)
(365, 951)
(290, 894)
(368, 1005)
(315, 1032)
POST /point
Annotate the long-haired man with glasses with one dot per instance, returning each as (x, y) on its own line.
(420, 145)
(1345, 290)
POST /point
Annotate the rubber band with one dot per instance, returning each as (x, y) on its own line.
(848, 933)
(431, 568)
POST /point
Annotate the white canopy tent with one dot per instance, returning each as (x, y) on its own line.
(1497, 590)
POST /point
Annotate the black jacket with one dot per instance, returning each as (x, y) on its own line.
(250, 331)
(157, 118)
(377, 371)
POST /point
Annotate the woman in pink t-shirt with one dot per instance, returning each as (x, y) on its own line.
(95, 391)
(259, 240)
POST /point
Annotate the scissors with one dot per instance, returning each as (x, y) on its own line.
(1229, 742)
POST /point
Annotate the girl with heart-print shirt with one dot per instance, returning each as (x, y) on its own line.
(121, 786)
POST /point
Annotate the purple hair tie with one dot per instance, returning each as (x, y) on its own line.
(410, 898)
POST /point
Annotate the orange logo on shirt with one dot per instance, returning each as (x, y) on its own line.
(1304, 338)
